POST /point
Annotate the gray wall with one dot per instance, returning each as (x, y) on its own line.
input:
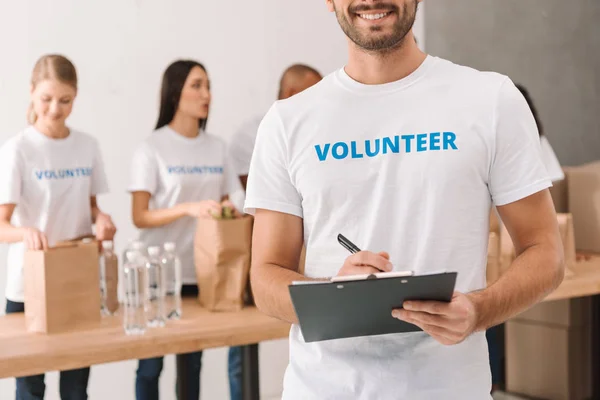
(550, 46)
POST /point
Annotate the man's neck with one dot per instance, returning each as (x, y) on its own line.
(373, 68)
(185, 125)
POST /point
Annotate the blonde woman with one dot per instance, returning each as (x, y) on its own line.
(50, 175)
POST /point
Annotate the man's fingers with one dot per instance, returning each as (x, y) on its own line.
(423, 318)
(441, 334)
(384, 254)
(363, 270)
(371, 259)
(431, 307)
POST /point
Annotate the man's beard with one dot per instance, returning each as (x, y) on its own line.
(379, 42)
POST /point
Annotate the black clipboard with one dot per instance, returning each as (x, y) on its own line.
(336, 310)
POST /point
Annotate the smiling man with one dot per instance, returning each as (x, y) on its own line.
(407, 153)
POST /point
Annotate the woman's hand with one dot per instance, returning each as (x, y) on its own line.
(228, 203)
(105, 228)
(202, 209)
(34, 239)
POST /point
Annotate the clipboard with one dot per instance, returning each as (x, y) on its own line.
(337, 310)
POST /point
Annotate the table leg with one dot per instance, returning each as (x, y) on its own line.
(595, 348)
(182, 384)
(250, 385)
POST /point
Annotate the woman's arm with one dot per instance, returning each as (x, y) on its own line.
(144, 218)
(33, 238)
(105, 228)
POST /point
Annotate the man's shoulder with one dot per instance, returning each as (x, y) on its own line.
(308, 98)
(450, 72)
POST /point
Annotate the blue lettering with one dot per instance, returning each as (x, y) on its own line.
(39, 174)
(407, 139)
(355, 154)
(335, 149)
(449, 138)
(322, 153)
(368, 148)
(434, 141)
(422, 142)
(49, 174)
(394, 147)
(69, 173)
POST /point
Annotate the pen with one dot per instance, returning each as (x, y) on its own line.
(348, 245)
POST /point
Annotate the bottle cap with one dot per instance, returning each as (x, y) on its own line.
(153, 251)
(137, 245)
(169, 246)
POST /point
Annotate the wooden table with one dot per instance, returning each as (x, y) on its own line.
(23, 354)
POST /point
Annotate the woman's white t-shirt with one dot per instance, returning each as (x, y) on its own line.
(175, 169)
(51, 182)
(412, 168)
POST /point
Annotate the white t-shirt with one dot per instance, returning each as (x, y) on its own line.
(175, 169)
(555, 171)
(51, 182)
(242, 145)
(409, 167)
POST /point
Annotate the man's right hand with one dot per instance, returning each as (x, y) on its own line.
(366, 262)
(34, 239)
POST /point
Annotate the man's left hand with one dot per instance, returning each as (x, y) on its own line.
(448, 323)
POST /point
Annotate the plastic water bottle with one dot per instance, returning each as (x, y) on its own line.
(135, 288)
(172, 281)
(156, 288)
(109, 277)
(132, 244)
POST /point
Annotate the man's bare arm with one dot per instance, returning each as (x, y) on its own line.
(538, 269)
(276, 246)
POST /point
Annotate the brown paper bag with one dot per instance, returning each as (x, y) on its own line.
(222, 260)
(61, 288)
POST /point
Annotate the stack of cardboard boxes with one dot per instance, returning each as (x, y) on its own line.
(548, 348)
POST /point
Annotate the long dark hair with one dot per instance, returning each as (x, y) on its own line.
(529, 101)
(170, 93)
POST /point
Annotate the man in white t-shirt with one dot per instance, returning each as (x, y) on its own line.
(294, 80)
(406, 153)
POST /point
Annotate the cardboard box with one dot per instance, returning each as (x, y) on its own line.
(566, 313)
(566, 229)
(560, 193)
(548, 361)
(62, 290)
(584, 205)
(493, 271)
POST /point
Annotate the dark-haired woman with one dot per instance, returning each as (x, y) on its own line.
(179, 175)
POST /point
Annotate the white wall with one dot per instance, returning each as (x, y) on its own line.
(121, 48)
